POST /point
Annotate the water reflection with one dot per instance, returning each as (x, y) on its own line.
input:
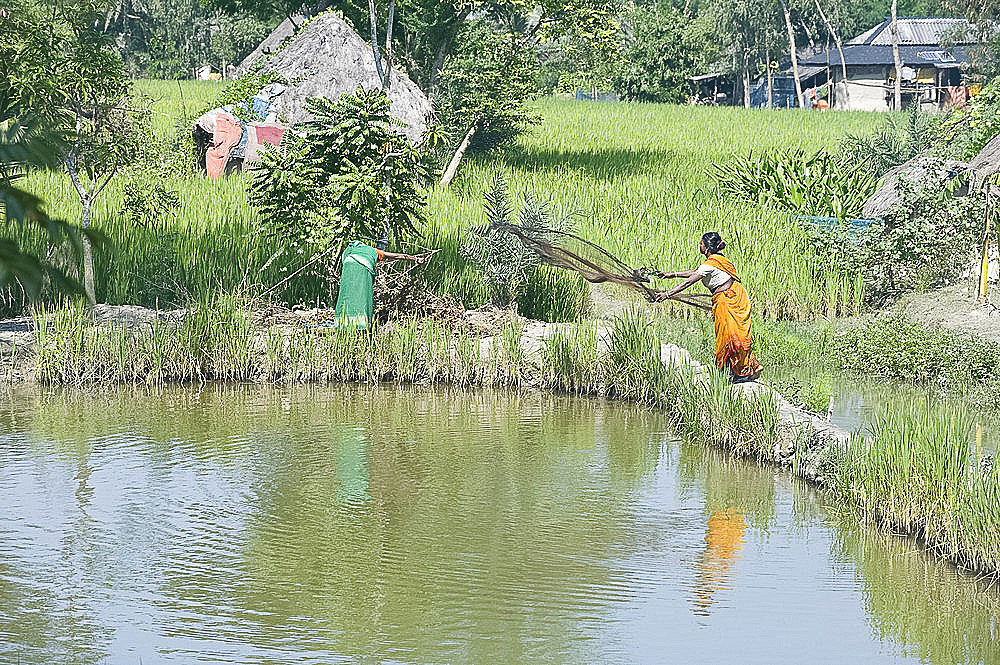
(723, 542)
(318, 525)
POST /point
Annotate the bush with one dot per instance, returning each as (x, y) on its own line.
(798, 182)
(908, 352)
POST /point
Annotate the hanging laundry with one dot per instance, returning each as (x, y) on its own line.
(228, 133)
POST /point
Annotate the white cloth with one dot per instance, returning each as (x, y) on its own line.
(712, 277)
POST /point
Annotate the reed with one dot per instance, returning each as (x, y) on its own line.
(915, 473)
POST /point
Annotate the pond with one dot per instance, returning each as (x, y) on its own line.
(234, 524)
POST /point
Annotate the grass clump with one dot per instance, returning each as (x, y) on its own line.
(915, 473)
(893, 346)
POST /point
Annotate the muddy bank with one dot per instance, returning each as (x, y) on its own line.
(953, 308)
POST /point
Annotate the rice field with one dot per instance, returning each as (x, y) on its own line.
(633, 177)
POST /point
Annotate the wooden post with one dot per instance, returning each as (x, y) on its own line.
(984, 269)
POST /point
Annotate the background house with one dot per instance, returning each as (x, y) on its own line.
(931, 72)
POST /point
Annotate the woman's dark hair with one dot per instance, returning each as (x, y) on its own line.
(713, 242)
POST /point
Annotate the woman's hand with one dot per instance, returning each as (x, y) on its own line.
(663, 295)
(666, 275)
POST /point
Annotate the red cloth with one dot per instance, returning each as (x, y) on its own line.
(227, 134)
(270, 135)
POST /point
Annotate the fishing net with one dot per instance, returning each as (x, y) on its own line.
(595, 264)
(562, 249)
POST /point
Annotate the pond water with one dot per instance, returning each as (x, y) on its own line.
(351, 524)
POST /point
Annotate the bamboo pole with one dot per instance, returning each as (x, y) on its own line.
(984, 269)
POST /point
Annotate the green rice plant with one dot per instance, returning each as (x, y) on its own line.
(405, 357)
(507, 354)
(439, 362)
(632, 366)
(914, 473)
(468, 361)
(570, 362)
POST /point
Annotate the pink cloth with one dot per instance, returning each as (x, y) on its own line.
(227, 134)
(259, 134)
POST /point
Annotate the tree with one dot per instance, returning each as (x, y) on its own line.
(792, 50)
(744, 27)
(664, 48)
(984, 16)
(484, 91)
(48, 64)
(350, 176)
(93, 87)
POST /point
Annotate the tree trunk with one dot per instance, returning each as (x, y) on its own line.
(840, 50)
(791, 49)
(374, 43)
(897, 93)
(387, 81)
(770, 89)
(449, 172)
(746, 86)
(88, 254)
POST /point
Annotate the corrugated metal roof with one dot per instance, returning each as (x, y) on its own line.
(913, 56)
(912, 31)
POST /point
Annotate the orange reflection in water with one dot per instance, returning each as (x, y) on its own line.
(723, 542)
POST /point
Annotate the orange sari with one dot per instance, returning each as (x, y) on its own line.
(731, 310)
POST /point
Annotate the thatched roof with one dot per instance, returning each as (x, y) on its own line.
(986, 163)
(328, 59)
(271, 43)
(918, 169)
(941, 171)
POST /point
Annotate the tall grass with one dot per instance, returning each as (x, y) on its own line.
(636, 175)
(915, 473)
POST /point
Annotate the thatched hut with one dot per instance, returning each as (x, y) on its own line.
(986, 163)
(928, 170)
(328, 59)
(935, 171)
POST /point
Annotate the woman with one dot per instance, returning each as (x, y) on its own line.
(355, 297)
(730, 308)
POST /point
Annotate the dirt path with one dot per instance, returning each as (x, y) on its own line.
(953, 308)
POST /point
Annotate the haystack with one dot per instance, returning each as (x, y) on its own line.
(986, 163)
(328, 59)
(285, 30)
(938, 172)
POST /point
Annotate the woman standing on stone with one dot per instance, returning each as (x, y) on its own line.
(730, 308)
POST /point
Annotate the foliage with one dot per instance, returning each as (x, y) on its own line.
(487, 84)
(929, 239)
(896, 141)
(350, 175)
(145, 199)
(54, 66)
(893, 346)
(499, 254)
(664, 48)
(23, 145)
(169, 39)
(798, 182)
(967, 130)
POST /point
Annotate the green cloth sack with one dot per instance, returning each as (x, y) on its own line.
(355, 302)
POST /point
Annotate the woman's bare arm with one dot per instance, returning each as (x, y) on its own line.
(691, 279)
(418, 258)
(681, 273)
